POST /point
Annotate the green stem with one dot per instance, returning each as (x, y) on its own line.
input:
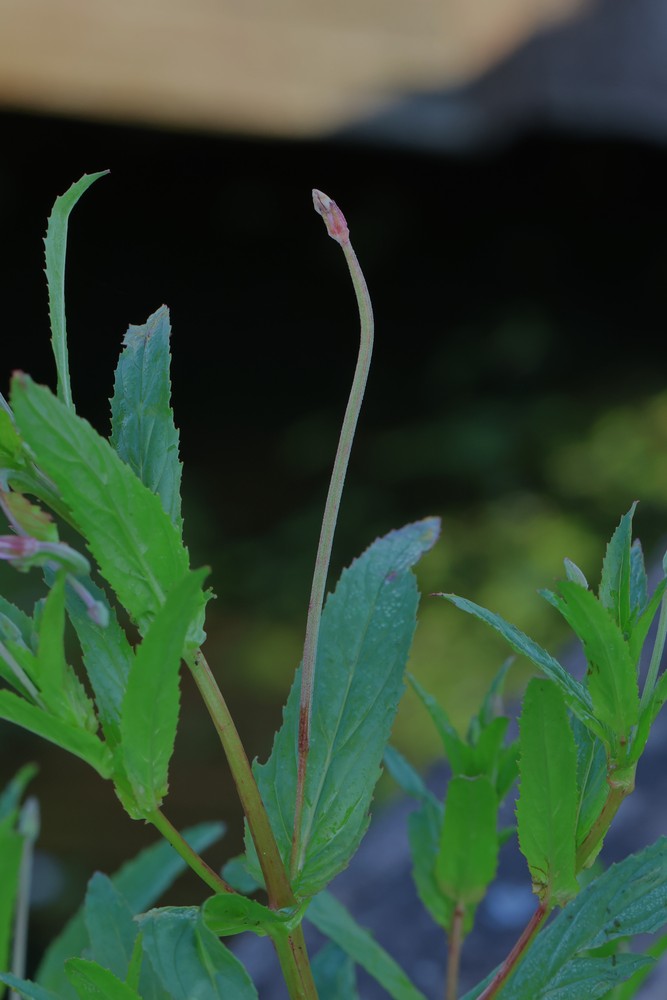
(191, 858)
(517, 952)
(295, 966)
(589, 845)
(291, 950)
(454, 953)
(337, 229)
(29, 829)
(275, 876)
(656, 657)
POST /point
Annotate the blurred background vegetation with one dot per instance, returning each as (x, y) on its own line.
(509, 212)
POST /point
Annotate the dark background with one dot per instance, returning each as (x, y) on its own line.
(519, 293)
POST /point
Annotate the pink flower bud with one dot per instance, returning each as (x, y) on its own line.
(334, 219)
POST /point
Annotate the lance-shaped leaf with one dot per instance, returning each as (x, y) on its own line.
(136, 545)
(591, 778)
(617, 576)
(28, 989)
(61, 690)
(575, 694)
(55, 246)
(365, 637)
(333, 920)
(140, 882)
(188, 958)
(107, 657)
(110, 926)
(11, 445)
(143, 431)
(92, 982)
(334, 975)
(457, 750)
(81, 742)
(468, 852)
(547, 806)
(612, 674)
(149, 715)
(629, 898)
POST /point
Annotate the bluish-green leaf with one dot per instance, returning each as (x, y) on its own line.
(189, 959)
(55, 246)
(630, 988)
(334, 975)
(641, 626)
(137, 547)
(10, 797)
(149, 715)
(614, 592)
(142, 421)
(628, 898)
(92, 982)
(107, 657)
(406, 776)
(468, 852)
(80, 742)
(424, 832)
(548, 799)
(491, 706)
(141, 882)
(335, 922)
(638, 581)
(28, 989)
(109, 924)
(591, 778)
(575, 694)
(456, 749)
(365, 637)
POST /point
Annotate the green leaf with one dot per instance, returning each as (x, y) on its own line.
(55, 245)
(61, 690)
(80, 742)
(612, 674)
(468, 852)
(629, 898)
(137, 547)
(491, 706)
(32, 519)
(614, 592)
(547, 806)
(333, 972)
(335, 922)
(92, 982)
(11, 445)
(141, 882)
(150, 707)
(143, 430)
(228, 913)
(110, 925)
(189, 960)
(576, 696)
(365, 636)
(638, 581)
(642, 625)
(235, 873)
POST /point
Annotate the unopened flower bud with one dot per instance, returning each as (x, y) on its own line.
(334, 219)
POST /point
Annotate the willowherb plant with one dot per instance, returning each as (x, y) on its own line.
(308, 806)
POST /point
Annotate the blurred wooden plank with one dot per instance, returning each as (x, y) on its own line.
(295, 68)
